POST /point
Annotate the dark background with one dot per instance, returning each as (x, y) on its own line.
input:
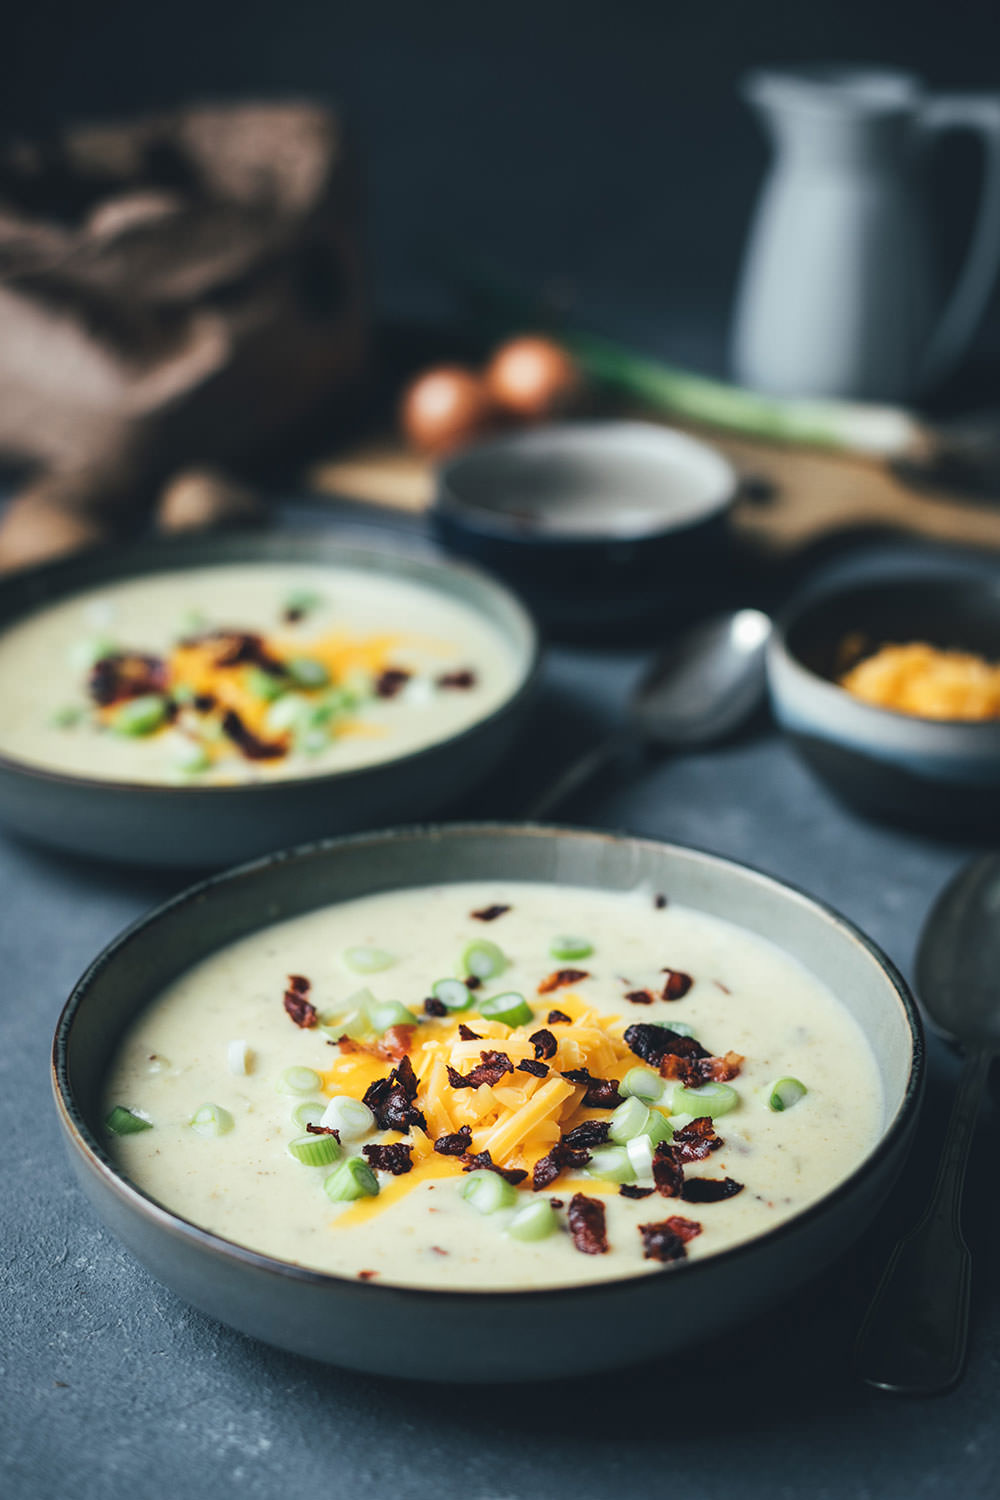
(604, 143)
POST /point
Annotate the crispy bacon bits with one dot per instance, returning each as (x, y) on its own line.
(544, 1043)
(394, 1158)
(482, 1161)
(677, 984)
(709, 1189)
(602, 1093)
(560, 978)
(472, 982)
(694, 1071)
(467, 1034)
(323, 1130)
(236, 648)
(367, 1275)
(640, 997)
(659, 901)
(492, 1068)
(249, 744)
(463, 678)
(489, 913)
(653, 1043)
(667, 1240)
(434, 1007)
(391, 681)
(126, 674)
(590, 1133)
(629, 1190)
(296, 1002)
(454, 1145)
(391, 1099)
(536, 1069)
(693, 1142)
(667, 1172)
(587, 1225)
(558, 1018)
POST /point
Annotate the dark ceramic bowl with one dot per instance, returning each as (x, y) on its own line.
(603, 527)
(931, 773)
(426, 1334)
(192, 826)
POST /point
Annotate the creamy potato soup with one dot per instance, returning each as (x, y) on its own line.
(495, 1085)
(245, 672)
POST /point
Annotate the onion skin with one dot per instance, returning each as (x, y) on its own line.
(534, 379)
(446, 407)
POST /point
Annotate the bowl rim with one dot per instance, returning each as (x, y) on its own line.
(831, 693)
(527, 662)
(451, 505)
(177, 1227)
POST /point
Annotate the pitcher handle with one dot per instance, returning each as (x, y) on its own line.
(979, 113)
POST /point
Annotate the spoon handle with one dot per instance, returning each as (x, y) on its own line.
(574, 777)
(914, 1336)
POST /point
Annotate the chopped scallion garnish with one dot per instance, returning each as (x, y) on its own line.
(139, 716)
(354, 1178)
(533, 1222)
(488, 1191)
(350, 1117)
(309, 1112)
(299, 1080)
(87, 653)
(510, 1008)
(711, 1099)
(262, 684)
(452, 993)
(307, 672)
(385, 1013)
(239, 1057)
(567, 946)
(642, 1083)
(314, 1150)
(365, 960)
(484, 959)
(639, 1151)
(211, 1119)
(786, 1092)
(629, 1119)
(66, 717)
(301, 602)
(611, 1163)
(122, 1121)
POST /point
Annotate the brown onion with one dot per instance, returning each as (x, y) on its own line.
(446, 407)
(533, 378)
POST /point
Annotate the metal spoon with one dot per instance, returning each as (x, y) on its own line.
(915, 1334)
(699, 689)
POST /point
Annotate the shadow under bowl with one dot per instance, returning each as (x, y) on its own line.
(940, 775)
(425, 1334)
(605, 528)
(159, 824)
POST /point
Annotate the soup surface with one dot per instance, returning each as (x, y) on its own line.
(245, 672)
(653, 1084)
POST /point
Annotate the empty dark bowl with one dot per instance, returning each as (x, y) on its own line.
(603, 527)
(936, 774)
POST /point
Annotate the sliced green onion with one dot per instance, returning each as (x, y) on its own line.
(510, 1008)
(641, 1083)
(192, 622)
(211, 1119)
(352, 1019)
(87, 653)
(681, 1027)
(192, 760)
(659, 1127)
(336, 701)
(639, 1151)
(66, 717)
(484, 959)
(786, 1092)
(299, 1080)
(711, 1099)
(611, 1163)
(367, 960)
(307, 672)
(183, 694)
(488, 1191)
(302, 602)
(313, 741)
(453, 994)
(309, 1112)
(386, 1013)
(349, 1117)
(290, 712)
(122, 1121)
(354, 1178)
(570, 947)
(629, 1119)
(139, 716)
(535, 1221)
(263, 684)
(239, 1057)
(314, 1150)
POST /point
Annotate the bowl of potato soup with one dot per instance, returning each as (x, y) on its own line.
(360, 1098)
(201, 701)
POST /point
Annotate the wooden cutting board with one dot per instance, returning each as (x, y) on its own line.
(798, 498)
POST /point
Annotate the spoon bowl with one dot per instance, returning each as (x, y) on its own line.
(706, 683)
(958, 960)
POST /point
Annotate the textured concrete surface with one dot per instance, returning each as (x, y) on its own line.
(111, 1387)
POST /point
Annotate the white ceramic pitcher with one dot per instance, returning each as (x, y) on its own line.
(837, 296)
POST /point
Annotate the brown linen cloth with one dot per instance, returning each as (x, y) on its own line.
(176, 293)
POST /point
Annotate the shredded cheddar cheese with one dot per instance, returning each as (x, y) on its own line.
(920, 679)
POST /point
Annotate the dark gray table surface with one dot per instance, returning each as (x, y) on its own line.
(111, 1387)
